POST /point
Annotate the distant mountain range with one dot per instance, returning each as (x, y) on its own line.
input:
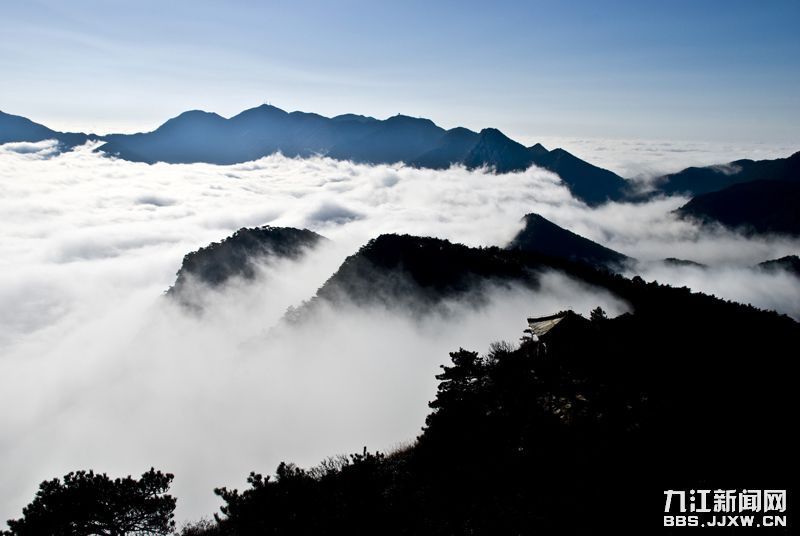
(757, 207)
(702, 180)
(204, 137)
(197, 136)
(754, 197)
(14, 128)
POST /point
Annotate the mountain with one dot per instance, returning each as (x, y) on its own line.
(186, 138)
(198, 136)
(401, 270)
(790, 263)
(202, 137)
(544, 436)
(491, 148)
(15, 128)
(760, 207)
(354, 117)
(398, 139)
(453, 147)
(425, 275)
(495, 149)
(545, 237)
(237, 257)
(420, 273)
(265, 130)
(700, 180)
(591, 184)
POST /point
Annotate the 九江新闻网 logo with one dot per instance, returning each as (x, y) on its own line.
(725, 508)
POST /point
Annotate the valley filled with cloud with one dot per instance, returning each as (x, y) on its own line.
(103, 371)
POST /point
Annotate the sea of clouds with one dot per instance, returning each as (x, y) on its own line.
(643, 159)
(98, 370)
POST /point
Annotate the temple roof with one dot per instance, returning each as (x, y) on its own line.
(541, 325)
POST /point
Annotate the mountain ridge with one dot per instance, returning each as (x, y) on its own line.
(16, 128)
(236, 257)
(706, 179)
(542, 236)
(200, 136)
(754, 207)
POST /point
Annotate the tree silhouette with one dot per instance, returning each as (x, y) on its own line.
(86, 503)
(598, 315)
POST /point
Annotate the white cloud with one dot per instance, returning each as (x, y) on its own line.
(36, 150)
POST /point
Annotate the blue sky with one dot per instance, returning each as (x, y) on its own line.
(711, 71)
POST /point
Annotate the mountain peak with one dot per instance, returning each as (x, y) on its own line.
(18, 128)
(260, 112)
(542, 236)
(755, 207)
(538, 149)
(237, 256)
(265, 108)
(189, 114)
(189, 121)
(493, 133)
(407, 119)
(354, 117)
(496, 150)
(789, 263)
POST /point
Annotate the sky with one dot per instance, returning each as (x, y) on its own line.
(710, 71)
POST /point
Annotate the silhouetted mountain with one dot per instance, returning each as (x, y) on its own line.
(591, 184)
(495, 149)
(491, 148)
(543, 236)
(424, 274)
(237, 256)
(417, 272)
(753, 207)
(790, 263)
(545, 437)
(452, 148)
(419, 142)
(354, 117)
(538, 150)
(700, 180)
(16, 128)
(185, 138)
(397, 139)
(197, 136)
